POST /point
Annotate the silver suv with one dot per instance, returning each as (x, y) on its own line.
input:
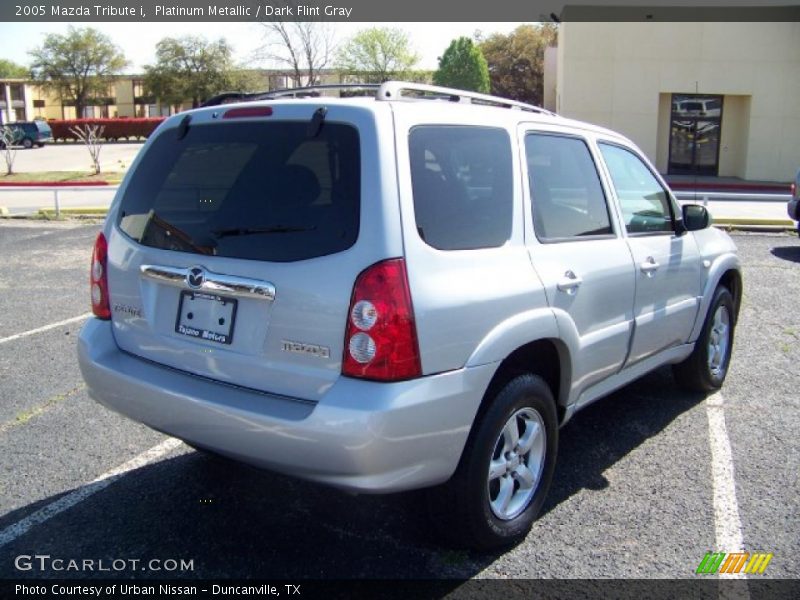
(410, 289)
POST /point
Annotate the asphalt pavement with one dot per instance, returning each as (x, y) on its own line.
(635, 493)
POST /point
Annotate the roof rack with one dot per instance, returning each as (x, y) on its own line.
(391, 90)
(315, 90)
(301, 92)
(394, 90)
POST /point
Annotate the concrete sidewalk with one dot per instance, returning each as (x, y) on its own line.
(736, 202)
(731, 202)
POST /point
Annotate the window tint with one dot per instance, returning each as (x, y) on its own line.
(262, 191)
(462, 185)
(644, 203)
(566, 196)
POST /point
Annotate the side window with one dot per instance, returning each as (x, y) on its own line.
(566, 196)
(462, 184)
(644, 203)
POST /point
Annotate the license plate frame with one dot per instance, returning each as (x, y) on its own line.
(207, 317)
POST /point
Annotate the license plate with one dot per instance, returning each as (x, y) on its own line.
(206, 316)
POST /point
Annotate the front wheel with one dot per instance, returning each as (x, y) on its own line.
(707, 365)
(506, 469)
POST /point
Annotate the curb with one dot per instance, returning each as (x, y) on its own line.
(736, 187)
(82, 211)
(55, 184)
(757, 225)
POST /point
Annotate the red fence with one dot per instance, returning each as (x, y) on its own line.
(114, 129)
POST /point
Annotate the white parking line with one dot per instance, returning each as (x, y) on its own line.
(17, 336)
(12, 532)
(727, 524)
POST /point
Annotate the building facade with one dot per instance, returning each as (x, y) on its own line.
(698, 98)
(126, 96)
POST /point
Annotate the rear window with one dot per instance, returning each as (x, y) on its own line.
(462, 185)
(259, 191)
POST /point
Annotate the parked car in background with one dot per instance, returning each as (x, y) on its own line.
(29, 134)
(793, 207)
(410, 290)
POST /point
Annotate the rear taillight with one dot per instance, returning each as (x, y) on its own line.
(381, 337)
(98, 279)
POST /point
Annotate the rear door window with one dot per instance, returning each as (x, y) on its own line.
(566, 195)
(462, 185)
(259, 191)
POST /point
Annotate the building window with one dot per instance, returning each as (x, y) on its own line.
(38, 104)
(17, 92)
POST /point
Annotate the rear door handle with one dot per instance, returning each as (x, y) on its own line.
(649, 266)
(569, 283)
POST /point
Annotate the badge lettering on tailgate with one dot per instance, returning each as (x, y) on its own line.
(302, 348)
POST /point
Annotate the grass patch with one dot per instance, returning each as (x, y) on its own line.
(77, 177)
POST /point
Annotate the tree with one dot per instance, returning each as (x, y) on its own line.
(7, 139)
(79, 66)
(306, 48)
(463, 66)
(11, 70)
(192, 68)
(516, 61)
(90, 135)
(377, 54)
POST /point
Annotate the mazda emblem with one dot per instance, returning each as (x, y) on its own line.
(195, 277)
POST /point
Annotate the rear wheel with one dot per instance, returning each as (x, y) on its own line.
(505, 471)
(707, 365)
(27, 143)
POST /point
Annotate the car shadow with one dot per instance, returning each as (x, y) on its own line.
(790, 253)
(234, 521)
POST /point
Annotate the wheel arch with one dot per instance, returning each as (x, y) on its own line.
(727, 272)
(548, 358)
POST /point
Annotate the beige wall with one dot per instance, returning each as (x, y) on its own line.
(123, 89)
(549, 79)
(621, 75)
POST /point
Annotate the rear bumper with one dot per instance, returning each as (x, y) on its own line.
(361, 436)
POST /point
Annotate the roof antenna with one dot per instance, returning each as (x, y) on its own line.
(317, 120)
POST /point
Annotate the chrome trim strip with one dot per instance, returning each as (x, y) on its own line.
(230, 285)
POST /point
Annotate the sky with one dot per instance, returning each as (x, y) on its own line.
(138, 40)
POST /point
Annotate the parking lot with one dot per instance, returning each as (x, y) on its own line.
(72, 156)
(640, 489)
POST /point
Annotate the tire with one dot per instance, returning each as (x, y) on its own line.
(470, 509)
(707, 365)
(27, 143)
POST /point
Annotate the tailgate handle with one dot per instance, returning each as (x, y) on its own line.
(202, 280)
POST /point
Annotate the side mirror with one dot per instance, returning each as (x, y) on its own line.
(695, 217)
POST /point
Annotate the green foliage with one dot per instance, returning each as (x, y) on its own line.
(377, 54)
(11, 70)
(516, 61)
(79, 65)
(192, 68)
(463, 66)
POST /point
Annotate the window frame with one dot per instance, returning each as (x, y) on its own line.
(673, 231)
(610, 211)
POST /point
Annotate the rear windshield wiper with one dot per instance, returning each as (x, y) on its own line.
(259, 230)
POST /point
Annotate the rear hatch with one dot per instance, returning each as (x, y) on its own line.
(236, 241)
